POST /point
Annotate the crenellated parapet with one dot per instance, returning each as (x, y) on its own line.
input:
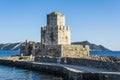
(66, 28)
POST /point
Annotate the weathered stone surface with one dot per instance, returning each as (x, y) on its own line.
(55, 40)
(74, 51)
(29, 47)
(66, 73)
(51, 50)
(55, 32)
(99, 63)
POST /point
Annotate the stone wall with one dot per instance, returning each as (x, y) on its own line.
(55, 32)
(55, 18)
(75, 51)
(64, 35)
(108, 65)
(29, 48)
(51, 50)
(66, 73)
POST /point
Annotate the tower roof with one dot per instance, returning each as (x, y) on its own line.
(56, 13)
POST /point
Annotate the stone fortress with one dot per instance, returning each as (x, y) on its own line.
(55, 40)
(56, 32)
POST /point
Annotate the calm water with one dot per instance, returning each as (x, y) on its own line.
(7, 53)
(105, 53)
(4, 53)
(12, 73)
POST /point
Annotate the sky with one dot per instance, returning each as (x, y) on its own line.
(97, 21)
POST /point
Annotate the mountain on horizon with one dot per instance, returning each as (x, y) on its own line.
(93, 47)
(10, 46)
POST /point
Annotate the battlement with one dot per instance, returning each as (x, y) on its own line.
(57, 28)
(64, 28)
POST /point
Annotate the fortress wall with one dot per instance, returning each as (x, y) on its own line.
(74, 51)
(66, 73)
(107, 65)
(51, 50)
(63, 35)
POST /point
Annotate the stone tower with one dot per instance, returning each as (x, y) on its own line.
(55, 32)
(55, 40)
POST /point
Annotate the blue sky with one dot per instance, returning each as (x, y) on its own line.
(97, 21)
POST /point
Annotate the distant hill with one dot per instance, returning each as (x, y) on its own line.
(10, 46)
(92, 46)
(16, 46)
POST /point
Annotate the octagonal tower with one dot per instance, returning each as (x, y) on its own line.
(55, 32)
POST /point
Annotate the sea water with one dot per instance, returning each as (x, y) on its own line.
(13, 73)
(8, 53)
(105, 53)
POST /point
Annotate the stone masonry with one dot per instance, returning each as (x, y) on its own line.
(56, 41)
(55, 32)
(29, 48)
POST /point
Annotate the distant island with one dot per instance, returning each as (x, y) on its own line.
(93, 47)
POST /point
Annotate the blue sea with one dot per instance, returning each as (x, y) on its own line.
(13, 73)
(105, 53)
(7, 53)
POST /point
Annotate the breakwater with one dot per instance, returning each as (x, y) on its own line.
(99, 63)
(65, 71)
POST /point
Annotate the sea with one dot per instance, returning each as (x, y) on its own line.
(13, 73)
(105, 53)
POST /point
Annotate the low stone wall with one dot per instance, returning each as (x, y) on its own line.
(51, 50)
(111, 66)
(75, 51)
(59, 70)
